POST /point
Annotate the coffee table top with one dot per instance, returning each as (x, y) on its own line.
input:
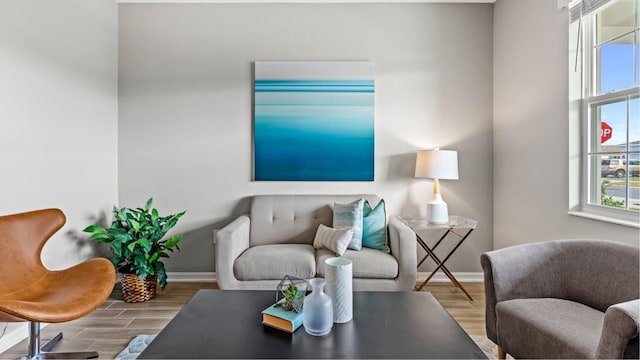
(227, 324)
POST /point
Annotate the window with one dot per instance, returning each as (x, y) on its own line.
(607, 67)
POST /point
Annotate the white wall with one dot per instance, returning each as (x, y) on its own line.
(58, 111)
(185, 89)
(531, 129)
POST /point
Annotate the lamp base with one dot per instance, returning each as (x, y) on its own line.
(437, 212)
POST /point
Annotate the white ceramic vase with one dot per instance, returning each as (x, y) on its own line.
(338, 273)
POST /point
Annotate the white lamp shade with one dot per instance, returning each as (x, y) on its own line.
(437, 164)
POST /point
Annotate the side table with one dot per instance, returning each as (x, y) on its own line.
(459, 226)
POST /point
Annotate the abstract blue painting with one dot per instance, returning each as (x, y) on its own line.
(314, 121)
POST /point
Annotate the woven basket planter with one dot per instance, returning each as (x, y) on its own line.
(134, 290)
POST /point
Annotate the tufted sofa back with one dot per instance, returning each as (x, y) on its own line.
(294, 219)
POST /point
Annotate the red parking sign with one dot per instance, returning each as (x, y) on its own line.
(605, 132)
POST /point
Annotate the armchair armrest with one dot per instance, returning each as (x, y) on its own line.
(402, 241)
(621, 323)
(231, 241)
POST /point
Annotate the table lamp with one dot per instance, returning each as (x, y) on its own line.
(437, 164)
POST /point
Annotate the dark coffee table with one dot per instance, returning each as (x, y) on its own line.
(227, 324)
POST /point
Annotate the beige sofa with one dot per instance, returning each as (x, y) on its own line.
(276, 238)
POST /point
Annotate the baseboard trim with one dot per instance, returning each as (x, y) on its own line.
(461, 276)
(211, 276)
(183, 276)
(15, 333)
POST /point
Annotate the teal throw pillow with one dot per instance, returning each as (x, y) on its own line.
(374, 227)
(350, 216)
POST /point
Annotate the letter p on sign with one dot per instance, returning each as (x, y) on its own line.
(605, 132)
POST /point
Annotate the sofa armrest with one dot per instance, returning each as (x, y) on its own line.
(621, 323)
(519, 272)
(230, 241)
(402, 241)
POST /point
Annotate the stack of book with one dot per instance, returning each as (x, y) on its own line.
(279, 318)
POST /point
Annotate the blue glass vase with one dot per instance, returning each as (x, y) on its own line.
(317, 311)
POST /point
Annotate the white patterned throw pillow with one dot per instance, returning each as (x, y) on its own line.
(350, 216)
(335, 240)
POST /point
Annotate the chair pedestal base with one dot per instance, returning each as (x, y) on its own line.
(44, 352)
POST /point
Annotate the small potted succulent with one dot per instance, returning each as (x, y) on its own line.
(292, 298)
(291, 293)
(136, 239)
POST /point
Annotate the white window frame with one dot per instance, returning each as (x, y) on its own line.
(581, 80)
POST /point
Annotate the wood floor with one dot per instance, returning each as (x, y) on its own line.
(109, 329)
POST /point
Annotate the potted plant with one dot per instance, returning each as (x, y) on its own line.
(290, 293)
(293, 298)
(136, 240)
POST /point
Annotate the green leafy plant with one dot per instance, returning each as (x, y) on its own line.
(608, 200)
(136, 240)
(291, 295)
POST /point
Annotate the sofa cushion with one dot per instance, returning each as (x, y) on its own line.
(271, 262)
(332, 239)
(548, 328)
(367, 263)
(349, 216)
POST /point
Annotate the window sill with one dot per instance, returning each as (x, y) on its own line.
(604, 218)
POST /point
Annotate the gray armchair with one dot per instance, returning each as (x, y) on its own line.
(563, 299)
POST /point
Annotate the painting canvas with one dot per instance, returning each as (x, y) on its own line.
(314, 121)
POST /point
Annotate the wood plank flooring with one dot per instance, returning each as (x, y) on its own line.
(109, 329)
